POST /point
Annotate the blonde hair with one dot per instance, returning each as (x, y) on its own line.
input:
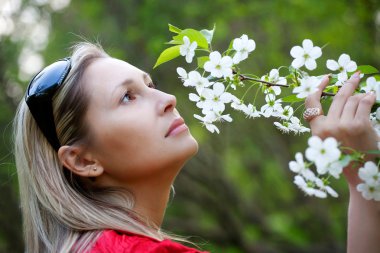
(59, 213)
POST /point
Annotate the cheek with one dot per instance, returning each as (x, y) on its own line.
(127, 146)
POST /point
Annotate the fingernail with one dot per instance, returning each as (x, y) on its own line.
(356, 75)
(372, 93)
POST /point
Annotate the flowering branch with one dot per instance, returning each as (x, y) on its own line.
(221, 72)
(269, 84)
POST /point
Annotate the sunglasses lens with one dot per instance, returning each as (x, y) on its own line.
(49, 78)
(40, 94)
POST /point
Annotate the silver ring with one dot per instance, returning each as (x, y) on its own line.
(311, 113)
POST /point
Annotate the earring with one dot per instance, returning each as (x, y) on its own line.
(95, 169)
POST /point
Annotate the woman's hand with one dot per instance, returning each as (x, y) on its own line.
(348, 121)
(348, 117)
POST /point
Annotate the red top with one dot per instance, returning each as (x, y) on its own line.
(112, 241)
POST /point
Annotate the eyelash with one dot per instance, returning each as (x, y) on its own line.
(128, 93)
(152, 85)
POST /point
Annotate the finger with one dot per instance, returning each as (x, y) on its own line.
(343, 94)
(351, 107)
(365, 105)
(314, 99)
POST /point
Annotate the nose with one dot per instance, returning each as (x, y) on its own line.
(166, 103)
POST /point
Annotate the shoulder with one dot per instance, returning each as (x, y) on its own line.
(112, 241)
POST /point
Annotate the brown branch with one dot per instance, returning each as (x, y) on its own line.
(243, 78)
(269, 84)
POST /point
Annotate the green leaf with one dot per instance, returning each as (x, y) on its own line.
(208, 34)
(373, 152)
(367, 69)
(167, 55)
(174, 42)
(174, 29)
(230, 47)
(377, 77)
(202, 60)
(193, 35)
(292, 98)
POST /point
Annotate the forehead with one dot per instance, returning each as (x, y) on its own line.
(103, 77)
(110, 70)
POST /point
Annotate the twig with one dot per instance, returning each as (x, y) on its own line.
(269, 84)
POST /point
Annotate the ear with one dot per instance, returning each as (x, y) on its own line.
(79, 161)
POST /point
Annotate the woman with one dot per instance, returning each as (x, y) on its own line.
(89, 142)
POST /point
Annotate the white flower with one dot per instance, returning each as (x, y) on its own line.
(219, 66)
(272, 107)
(298, 166)
(196, 80)
(322, 152)
(286, 113)
(201, 98)
(307, 188)
(292, 125)
(378, 114)
(296, 126)
(237, 104)
(250, 111)
(325, 188)
(372, 85)
(274, 77)
(334, 168)
(369, 192)
(308, 86)
(216, 99)
(182, 74)
(207, 122)
(187, 49)
(343, 65)
(370, 174)
(305, 55)
(217, 116)
(243, 47)
(283, 127)
(376, 127)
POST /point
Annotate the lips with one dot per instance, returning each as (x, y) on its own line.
(177, 126)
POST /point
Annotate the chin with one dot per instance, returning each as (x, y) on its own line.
(187, 149)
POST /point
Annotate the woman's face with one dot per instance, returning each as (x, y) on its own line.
(136, 132)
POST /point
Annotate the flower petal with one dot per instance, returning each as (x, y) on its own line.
(310, 64)
(298, 62)
(344, 59)
(351, 66)
(215, 57)
(332, 65)
(297, 52)
(316, 52)
(307, 45)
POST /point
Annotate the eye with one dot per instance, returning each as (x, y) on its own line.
(127, 97)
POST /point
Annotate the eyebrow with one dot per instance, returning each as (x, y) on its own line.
(129, 81)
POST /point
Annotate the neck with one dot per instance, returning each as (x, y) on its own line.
(152, 195)
(151, 203)
(151, 192)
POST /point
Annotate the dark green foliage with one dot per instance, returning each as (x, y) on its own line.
(237, 194)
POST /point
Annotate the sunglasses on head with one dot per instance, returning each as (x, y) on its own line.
(39, 97)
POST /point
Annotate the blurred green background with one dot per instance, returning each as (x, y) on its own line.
(237, 194)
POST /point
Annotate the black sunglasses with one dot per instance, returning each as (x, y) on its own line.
(39, 96)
